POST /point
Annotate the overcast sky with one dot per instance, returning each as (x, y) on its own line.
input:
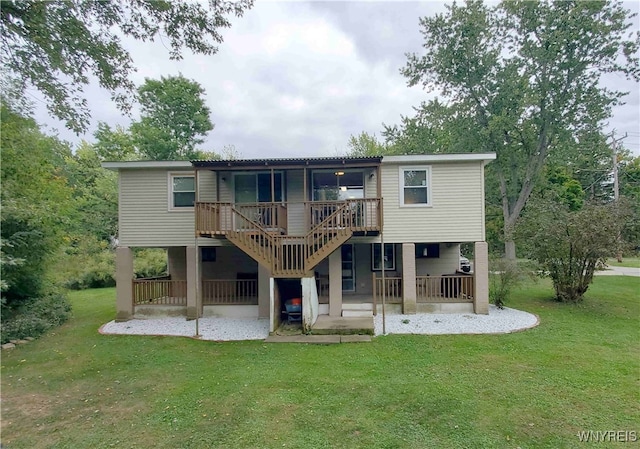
(298, 78)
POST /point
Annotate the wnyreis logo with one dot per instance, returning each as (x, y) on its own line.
(608, 436)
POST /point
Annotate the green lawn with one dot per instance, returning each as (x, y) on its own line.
(579, 370)
(633, 262)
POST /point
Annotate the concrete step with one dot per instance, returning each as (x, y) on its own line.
(327, 325)
(357, 306)
(357, 313)
(318, 339)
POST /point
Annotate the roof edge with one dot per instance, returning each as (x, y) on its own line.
(440, 157)
(119, 165)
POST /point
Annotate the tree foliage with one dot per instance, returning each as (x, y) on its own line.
(521, 79)
(56, 47)
(365, 144)
(36, 204)
(571, 245)
(174, 119)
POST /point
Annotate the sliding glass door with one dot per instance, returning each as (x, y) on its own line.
(256, 188)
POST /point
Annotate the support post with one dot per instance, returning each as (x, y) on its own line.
(481, 274)
(264, 293)
(409, 305)
(335, 283)
(124, 284)
(192, 281)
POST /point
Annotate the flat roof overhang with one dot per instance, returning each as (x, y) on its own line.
(261, 164)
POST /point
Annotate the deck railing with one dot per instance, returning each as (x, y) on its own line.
(270, 216)
(360, 215)
(159, 291)
(392, 290)
(440, 289)
(322, 286)
(447, 288)
(217, 218)
(213, 218)
(229, 292)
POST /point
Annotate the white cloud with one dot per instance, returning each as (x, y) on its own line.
(297, 79)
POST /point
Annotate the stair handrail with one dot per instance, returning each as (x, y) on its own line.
(253, 222)
(263, 233)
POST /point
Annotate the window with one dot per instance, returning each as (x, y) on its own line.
(183, 191)
(332, 185)
(256, 187)
(208, 253)
(348, 268)
(389, 257)
(414, 186)
(428, 250)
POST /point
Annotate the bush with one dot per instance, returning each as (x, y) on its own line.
(86, 263)
(34, 317)
(570, 245)
(504, 276)
(150, 262)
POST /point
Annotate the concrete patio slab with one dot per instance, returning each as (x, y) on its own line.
(342, 326)
(312, 339)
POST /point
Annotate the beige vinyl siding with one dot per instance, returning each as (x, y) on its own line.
(456, 213)
(226, 187)
(229, 262)
(145, 219)
(295, 202)
(447, 263)
(370, 183)
(206, 185)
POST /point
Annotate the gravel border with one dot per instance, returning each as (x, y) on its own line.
(498, 321)
(210, 328)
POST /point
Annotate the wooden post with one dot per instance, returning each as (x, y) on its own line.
(273, 188)
(384, 328)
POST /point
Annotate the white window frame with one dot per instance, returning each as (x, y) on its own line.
(401, 186)
(376, 265)
(171, 176)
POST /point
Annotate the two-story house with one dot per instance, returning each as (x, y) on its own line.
(244, 237)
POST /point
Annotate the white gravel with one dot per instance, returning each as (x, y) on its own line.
(496, 322)
(210, 328)
(230, 329)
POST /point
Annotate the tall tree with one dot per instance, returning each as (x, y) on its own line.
(36, 204)
(114, 144)
(365, 144)
(56, 46)
(523, 79)
(174, 118)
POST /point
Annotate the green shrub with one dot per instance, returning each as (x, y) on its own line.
(571, 245)
(86, 263)
(150, 262)
(34, 317)
(505, 275)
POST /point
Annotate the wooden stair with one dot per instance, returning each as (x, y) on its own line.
(291, 256)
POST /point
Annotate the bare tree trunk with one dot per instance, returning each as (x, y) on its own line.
(510, 249)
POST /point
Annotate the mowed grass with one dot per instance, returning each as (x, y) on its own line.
(633, 262)
(579, 370)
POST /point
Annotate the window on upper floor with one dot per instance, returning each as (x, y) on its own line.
(183, 190)
(415, 186)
